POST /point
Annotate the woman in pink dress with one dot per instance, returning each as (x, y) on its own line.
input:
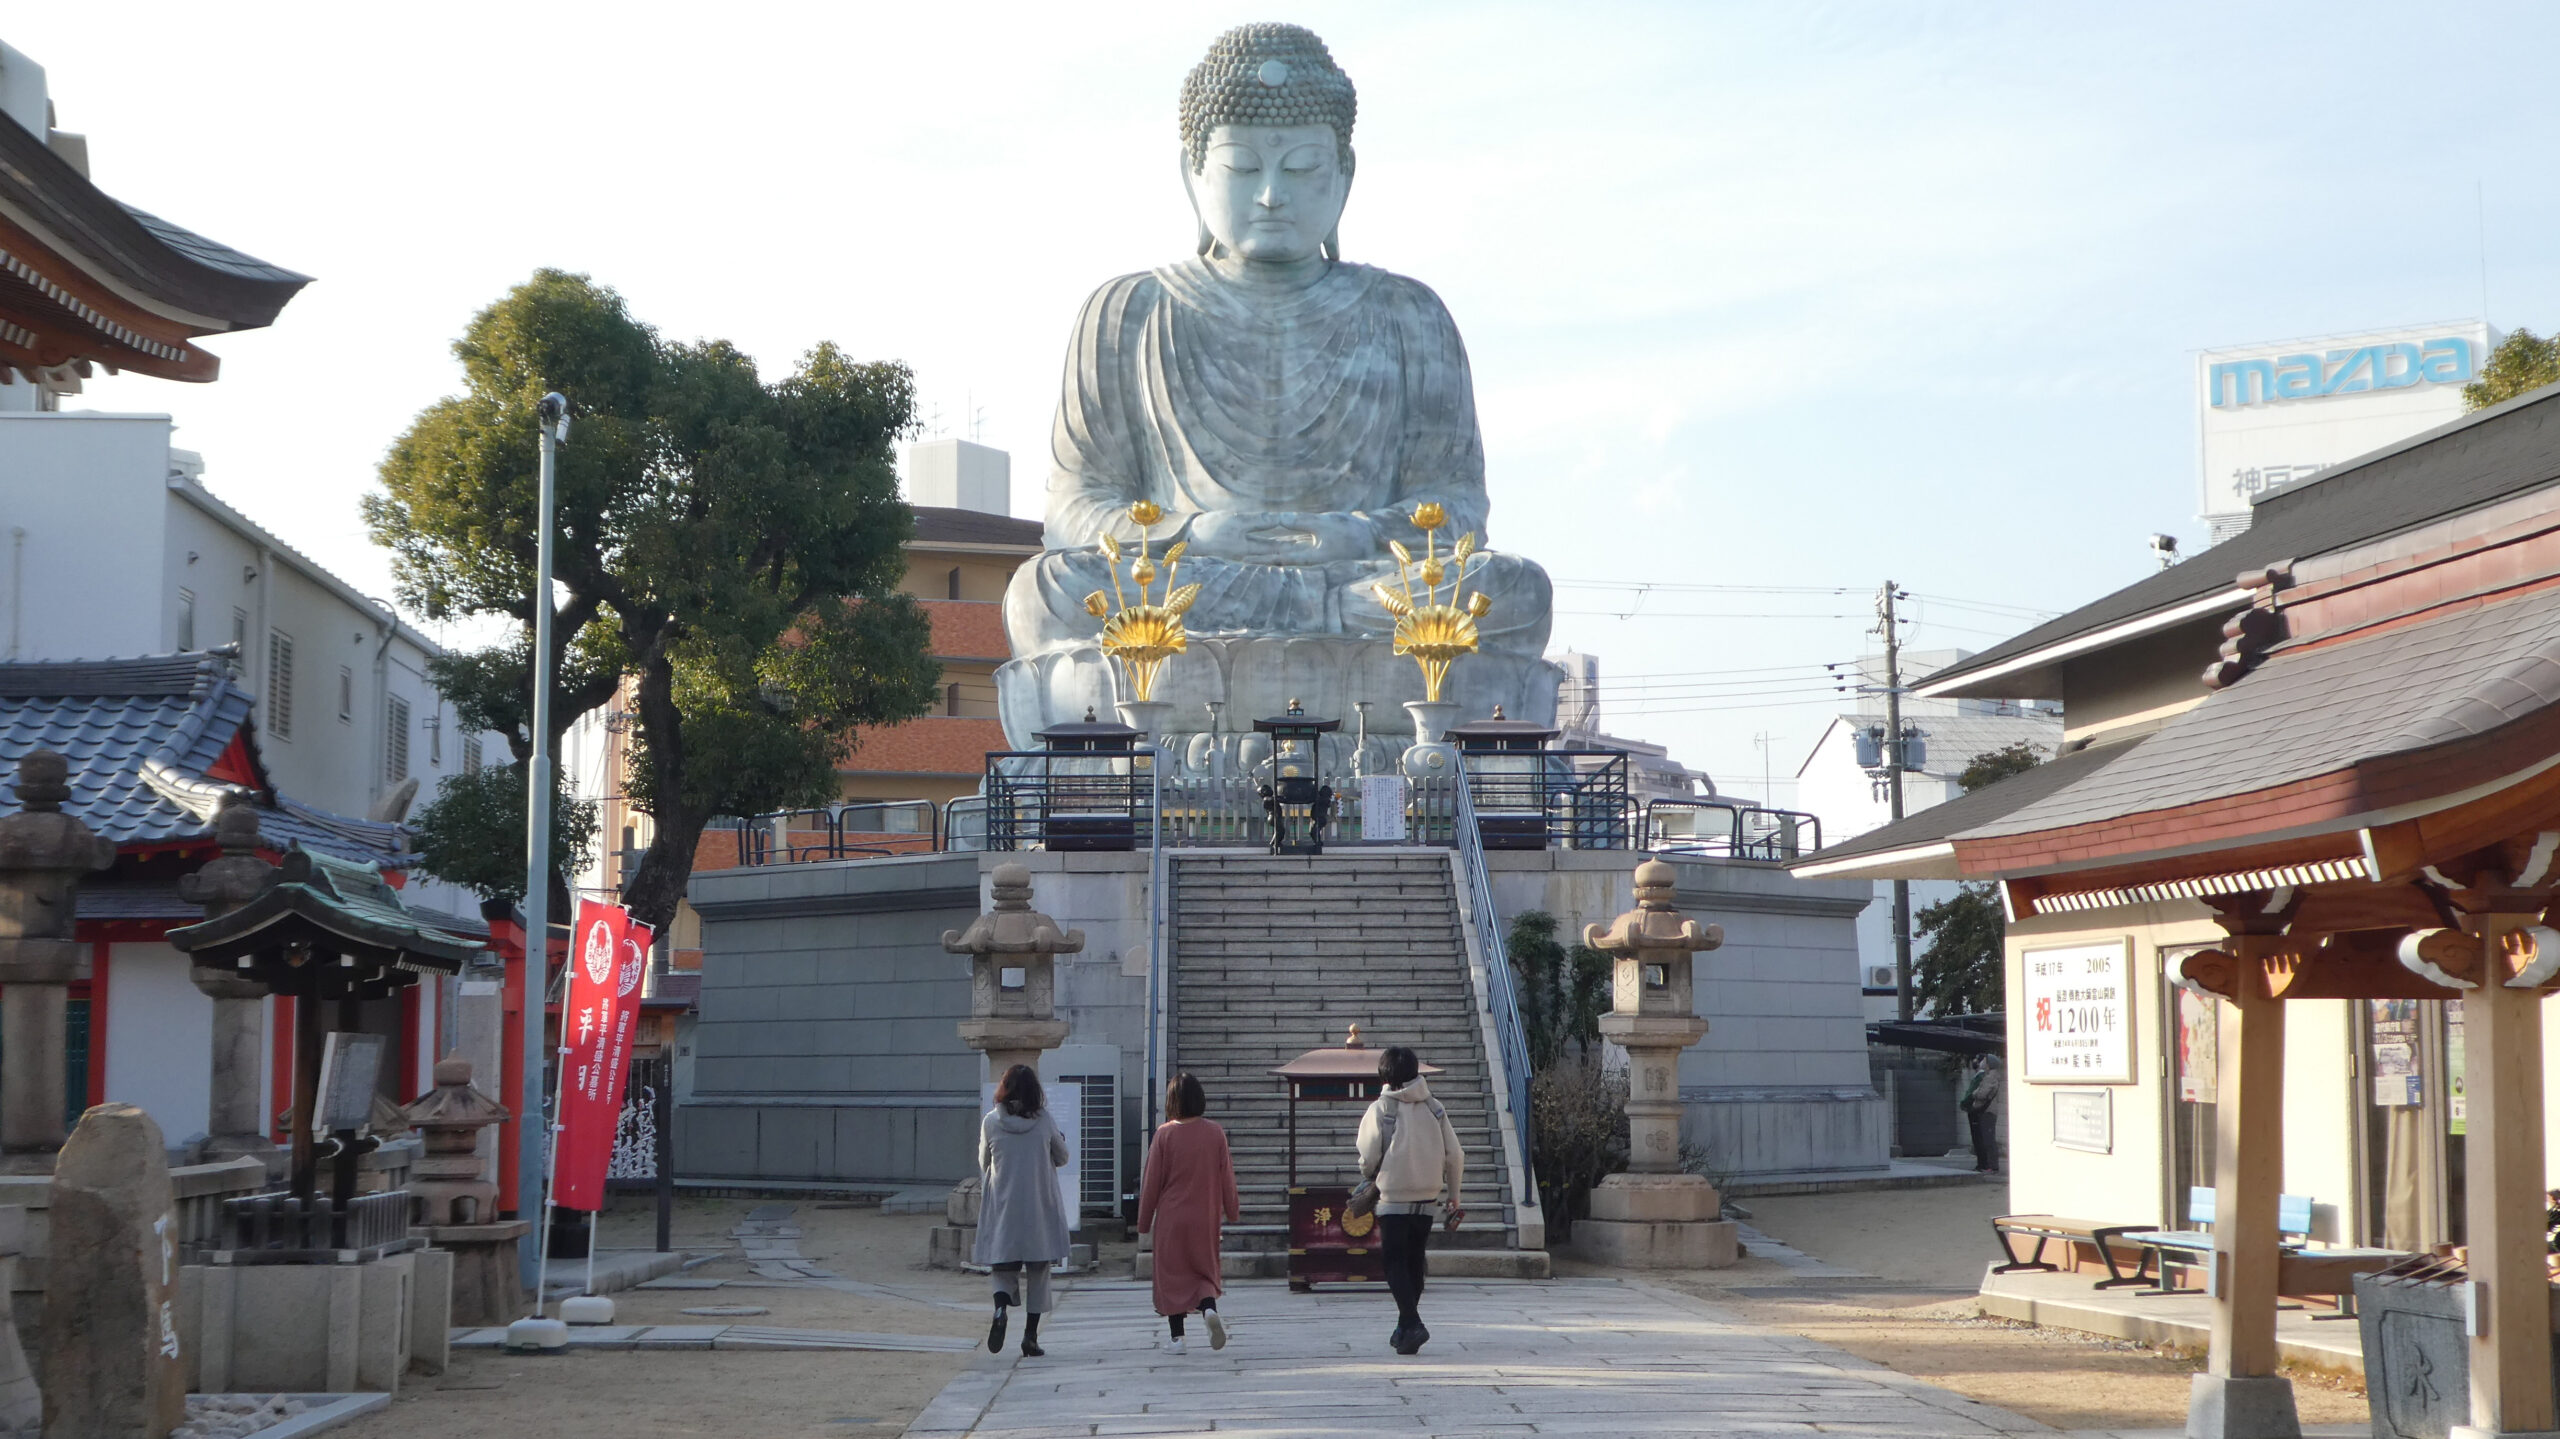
(1190, 1186)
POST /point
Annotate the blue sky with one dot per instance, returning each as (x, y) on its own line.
(1772, 297)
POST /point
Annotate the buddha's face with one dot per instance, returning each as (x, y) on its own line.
(1270, 195)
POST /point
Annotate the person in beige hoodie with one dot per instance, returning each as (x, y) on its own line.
(1409, 1149)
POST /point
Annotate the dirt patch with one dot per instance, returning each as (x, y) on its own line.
(1927, 1249)
(832, 1394)
(818, 1395)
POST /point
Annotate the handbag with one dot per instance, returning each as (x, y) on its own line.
(1364, 1197)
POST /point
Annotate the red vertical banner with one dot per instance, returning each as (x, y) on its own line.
(590, 1090)
(636, 938)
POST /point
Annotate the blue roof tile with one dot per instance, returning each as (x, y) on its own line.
(140, 734)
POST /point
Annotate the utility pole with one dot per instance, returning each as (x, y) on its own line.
(1893, 752)
(534, 1127)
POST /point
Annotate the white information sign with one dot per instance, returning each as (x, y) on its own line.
(2084, 1119)
(1382, 806)
(2079, 1014)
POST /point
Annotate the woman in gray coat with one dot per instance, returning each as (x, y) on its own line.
(1022, 1219)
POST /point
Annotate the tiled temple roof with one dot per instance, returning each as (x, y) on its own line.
(155, 743)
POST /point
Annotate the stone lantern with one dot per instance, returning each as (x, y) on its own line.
(1656, 1215)
(1013, 954)
(234, 1125)
(1013, 975)
(44, 854)
(455, 1199)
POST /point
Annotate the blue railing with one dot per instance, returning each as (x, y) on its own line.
(1500, 996)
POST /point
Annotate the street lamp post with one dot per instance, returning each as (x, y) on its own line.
(535, 1131)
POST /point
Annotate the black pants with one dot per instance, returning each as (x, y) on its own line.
(1986, 1139)
(1405, 1242)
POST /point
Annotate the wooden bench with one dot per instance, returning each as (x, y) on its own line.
(2046, 1228)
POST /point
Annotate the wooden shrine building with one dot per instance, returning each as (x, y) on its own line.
(2308, 795)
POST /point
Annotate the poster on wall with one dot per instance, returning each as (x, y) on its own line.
(2079, 1014)
(2199, 1045)
(2394, 1027)
(2084, 1119)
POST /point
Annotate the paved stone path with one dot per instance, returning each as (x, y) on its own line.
(1506, 1358)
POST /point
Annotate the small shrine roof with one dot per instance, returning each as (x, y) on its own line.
(332, 906)
(155, 743)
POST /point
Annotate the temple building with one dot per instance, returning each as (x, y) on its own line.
(2280, 900)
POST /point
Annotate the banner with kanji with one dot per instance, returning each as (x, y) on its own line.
(608, 955)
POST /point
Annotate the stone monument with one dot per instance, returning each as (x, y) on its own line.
(234, 1128)
(113, 1368)
(1656, 1215)
(44, 854)
(1282, 415)
(1013, 954)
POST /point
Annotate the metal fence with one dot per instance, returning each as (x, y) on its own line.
(1500, 995)
(853, 831)
(1728, 830)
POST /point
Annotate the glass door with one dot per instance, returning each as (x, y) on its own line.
(2195, 1036)
(2413, 1122)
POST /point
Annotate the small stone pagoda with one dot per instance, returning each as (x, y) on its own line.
(1656, 1215)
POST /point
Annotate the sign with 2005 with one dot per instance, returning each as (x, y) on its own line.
(2079, 1014)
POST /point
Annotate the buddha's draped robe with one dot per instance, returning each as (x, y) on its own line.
(1351, 396)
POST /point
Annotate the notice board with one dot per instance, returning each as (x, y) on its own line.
(2079, 1013)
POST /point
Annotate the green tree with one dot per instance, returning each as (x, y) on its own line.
(457, 832)
(1993, 766)
(1961, 970)
(732, 547)
(2522, 362)
(1562, 991)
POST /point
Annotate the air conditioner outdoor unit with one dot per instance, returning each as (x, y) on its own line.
(1880, 976)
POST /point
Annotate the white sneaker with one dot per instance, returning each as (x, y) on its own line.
(1217, 1329)
(1173, 1345)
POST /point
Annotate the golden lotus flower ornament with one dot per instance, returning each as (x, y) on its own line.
(1431, 626)
(1143, 635)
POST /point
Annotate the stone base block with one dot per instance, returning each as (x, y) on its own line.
(488, 1288)
(2256, 1406)
(1656, 1199)
(310, 1328)
(948, 1245)
(1623, 1244)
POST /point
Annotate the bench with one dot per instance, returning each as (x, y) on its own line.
(2301, 1273)
(2045, 1228)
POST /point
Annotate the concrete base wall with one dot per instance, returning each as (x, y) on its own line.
(1780, 1084)
(827, 1051)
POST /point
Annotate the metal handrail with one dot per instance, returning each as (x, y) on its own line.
(1500, 995)
(952, 840)
(1159, 963)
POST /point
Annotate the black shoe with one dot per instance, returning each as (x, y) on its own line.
(1415, 1338)
(1031, 1348)
(995, 1331)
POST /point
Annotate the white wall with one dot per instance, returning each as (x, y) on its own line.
(2132, 1184)
(66, 481)
(159, 1038)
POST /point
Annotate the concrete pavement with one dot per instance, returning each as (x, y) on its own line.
(1507, 1358)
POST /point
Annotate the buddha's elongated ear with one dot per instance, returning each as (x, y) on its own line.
(1332, 245)
(1203, 243)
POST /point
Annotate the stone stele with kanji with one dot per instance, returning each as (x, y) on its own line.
(1656, 1215)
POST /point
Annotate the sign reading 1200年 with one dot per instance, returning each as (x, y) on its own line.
(2079, 1007)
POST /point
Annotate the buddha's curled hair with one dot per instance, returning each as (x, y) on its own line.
(1266, 74)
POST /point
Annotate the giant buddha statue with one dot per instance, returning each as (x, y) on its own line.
(1282, 414)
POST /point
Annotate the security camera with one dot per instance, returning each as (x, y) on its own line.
(2165, 544)
(553, 410)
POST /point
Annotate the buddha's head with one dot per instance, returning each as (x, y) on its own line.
(1266, 145)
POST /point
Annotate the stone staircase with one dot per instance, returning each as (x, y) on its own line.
(1276, 955)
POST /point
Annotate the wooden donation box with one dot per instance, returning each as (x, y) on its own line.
(1326, 1245)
